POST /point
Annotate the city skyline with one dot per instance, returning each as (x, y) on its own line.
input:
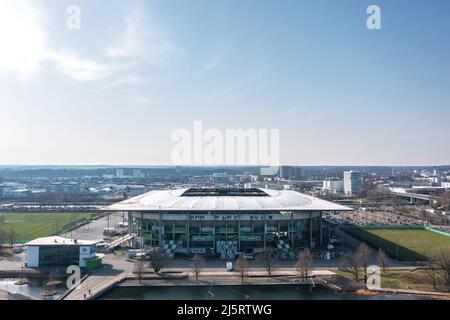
(113, 91)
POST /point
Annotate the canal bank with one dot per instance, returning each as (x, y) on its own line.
(6, 295)
(166, 285)
(328, 284)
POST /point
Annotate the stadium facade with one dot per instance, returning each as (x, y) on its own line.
(224, 222)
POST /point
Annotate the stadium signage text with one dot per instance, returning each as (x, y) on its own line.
(227, 217)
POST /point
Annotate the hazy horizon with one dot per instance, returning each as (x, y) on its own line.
(215, 166)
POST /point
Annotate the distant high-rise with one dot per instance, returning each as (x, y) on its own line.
(290, 172)
(119, 173)
(333, 186)
(137, 173)
(352, 183)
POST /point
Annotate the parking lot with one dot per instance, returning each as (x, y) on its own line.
(94, 230)
(372, 218)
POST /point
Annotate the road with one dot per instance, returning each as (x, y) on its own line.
(94, 230)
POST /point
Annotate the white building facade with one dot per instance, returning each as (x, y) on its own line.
(352, 183)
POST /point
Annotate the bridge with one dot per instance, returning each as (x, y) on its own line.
(415, 197)
(94, 285)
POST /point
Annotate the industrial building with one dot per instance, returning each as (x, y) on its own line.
(223, 222)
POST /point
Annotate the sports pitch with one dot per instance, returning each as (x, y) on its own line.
(31, 225)
(406, 244)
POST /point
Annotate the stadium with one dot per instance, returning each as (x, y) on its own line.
(225, 221)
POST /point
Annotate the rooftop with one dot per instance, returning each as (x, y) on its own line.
(224, 192)
(56, 240)
(197, 199)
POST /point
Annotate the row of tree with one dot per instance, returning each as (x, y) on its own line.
(357, 263)
(437, 267)
(268, 259)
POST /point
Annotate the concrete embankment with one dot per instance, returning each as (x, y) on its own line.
(26, 273)
(4, 295)
(426, 294)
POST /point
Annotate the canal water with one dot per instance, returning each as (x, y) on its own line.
(33, 289)
(288, 292)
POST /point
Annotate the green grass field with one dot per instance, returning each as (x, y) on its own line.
(408, 244)
(401, 279)
(31, 225)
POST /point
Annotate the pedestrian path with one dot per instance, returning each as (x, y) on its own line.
(94, 285)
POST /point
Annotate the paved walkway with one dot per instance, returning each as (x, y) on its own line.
(94, 285)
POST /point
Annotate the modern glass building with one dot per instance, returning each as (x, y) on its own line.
(352, 183)
(60, 252)
(224, 222)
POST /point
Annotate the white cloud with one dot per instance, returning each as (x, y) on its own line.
(141, 40)
(26, 45)
(23, 35)
(69, 63)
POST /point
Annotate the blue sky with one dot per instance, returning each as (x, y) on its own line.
(114, 91)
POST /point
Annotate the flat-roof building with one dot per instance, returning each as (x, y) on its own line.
(59, 252)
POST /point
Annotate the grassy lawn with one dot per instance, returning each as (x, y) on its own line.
(400, 279)
(31, 225)
(410, 245)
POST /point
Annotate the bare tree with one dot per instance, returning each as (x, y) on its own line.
(431, 272)
(351, 263)
(197, 265)
(363, 255)
(441, 260)
(158, 260)
(268, 259)
(139, 268)
(443, 201)
(242, 267)
(304, 263)
(383, 259)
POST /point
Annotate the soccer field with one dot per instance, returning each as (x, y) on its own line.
(407, 244)
(31, 225)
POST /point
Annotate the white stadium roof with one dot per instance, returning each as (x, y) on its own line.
(237, 200)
